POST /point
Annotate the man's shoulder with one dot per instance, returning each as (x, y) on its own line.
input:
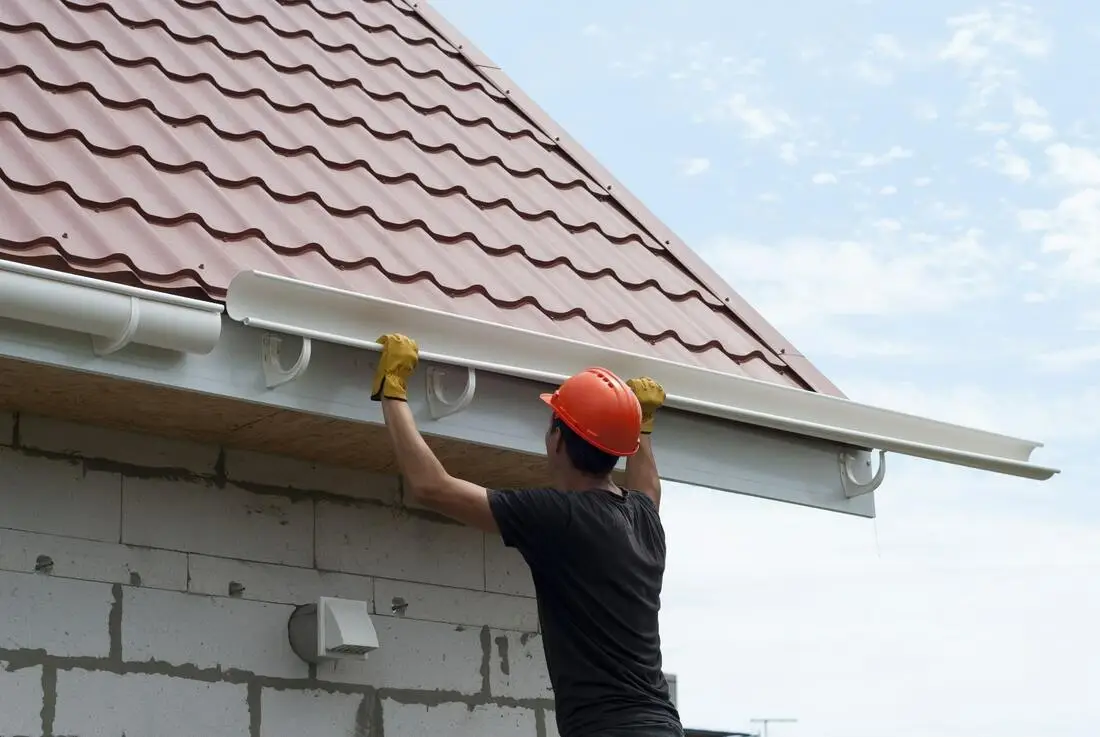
(527, 492)
(641, 499)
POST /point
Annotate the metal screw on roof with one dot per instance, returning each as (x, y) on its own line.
(43, 564)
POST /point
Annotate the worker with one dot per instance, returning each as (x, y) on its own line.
(596, 551)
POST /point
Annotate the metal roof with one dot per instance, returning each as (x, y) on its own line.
(363, 145)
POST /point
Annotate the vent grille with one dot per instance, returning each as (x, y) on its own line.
(351, 649)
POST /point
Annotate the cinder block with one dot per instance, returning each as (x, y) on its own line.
(92, 560)
(550, 719)
(280, 584)
(208, 632)
(456, 720)
(59, 497)
(101, 704)
(60, 616)
(291, 473)
(506, 572)
(517, 667)
(228, 522)
(131, 448)
(7, 428)
(391, 542)
(20, 700)
(297, 713)
(427, 656)
(456, 606)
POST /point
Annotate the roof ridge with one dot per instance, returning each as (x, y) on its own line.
(690, 261)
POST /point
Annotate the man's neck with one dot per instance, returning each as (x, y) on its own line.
(581, 482)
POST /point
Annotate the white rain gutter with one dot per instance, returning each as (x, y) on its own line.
(314, 312)
(114, 315)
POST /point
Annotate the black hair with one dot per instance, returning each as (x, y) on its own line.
(584, 456)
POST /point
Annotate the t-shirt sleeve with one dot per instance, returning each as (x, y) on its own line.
(531, 520)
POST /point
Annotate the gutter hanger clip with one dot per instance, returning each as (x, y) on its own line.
(274, 373)
(439, 406)
(853, 487)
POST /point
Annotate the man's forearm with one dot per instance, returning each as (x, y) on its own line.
(425, 479)
(420, 469)
(641, 472)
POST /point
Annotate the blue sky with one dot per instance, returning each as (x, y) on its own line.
(911, 193)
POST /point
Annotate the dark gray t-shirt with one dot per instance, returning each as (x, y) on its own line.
(598, 561)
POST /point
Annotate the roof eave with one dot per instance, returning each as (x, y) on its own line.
(314, 404)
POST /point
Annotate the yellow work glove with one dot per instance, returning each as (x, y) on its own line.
(651, 396)
(395, 366)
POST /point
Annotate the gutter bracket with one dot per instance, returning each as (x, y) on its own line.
(440, 407)
(852, 487)
(105, 346)
(274, 373)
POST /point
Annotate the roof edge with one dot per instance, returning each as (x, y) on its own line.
(690, 260)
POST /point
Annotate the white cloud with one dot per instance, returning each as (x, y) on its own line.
(894, 154)
(888, 190)
(1072, 166)
(787, 153)
(1028, 107)
(1012, 165)
(876, 65)
(976, 37)
(922, 181)
(824, 178)
(895, 276)
(888, 225)
(756, 121)
(1071, 230)
(1036, 132)
(986, 46)
(694, 166)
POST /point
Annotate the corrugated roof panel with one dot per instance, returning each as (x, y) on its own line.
(177, 143)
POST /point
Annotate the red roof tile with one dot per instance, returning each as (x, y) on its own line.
(362, 144)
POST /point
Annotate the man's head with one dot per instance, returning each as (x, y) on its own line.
(596, 420)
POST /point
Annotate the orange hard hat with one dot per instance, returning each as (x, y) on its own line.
(600, 407)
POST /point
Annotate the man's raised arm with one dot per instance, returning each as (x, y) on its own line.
(424, 477)
(641, 468)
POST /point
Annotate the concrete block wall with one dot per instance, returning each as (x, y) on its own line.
(145, 587)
